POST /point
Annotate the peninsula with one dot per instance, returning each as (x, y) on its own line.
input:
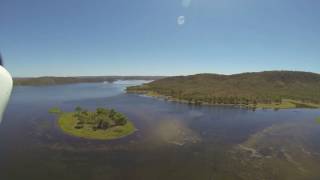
(269, 89)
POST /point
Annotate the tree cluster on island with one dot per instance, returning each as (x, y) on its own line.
(101, 119)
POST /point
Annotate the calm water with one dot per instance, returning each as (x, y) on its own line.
(173, 141)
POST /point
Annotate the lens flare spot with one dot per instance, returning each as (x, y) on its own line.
(181, 20)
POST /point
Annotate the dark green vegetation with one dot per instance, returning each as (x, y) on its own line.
(41, 81)
(103, 124)
(271, 89)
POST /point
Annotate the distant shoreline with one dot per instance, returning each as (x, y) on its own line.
(47, 81)
(267, 89)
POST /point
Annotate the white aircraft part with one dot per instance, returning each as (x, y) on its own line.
(6, 84)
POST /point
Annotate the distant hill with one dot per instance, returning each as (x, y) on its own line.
(42, 81)
(246, 88)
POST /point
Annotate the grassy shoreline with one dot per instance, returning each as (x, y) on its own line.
(285, 103)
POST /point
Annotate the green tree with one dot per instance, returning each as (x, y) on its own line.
(103, 121)
(112, 113)
(77, 112)
(78, 109)
(120, 119)
(102, 111)
(105, 124)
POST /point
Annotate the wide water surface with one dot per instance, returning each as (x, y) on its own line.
(173, 141)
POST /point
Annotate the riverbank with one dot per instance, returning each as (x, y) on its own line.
(284, 104)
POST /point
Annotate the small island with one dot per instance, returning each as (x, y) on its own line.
(102, 124)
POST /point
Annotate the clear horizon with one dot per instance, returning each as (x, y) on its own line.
(151, 75)
(158, 38)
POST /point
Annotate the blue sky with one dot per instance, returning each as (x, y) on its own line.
(158, 37)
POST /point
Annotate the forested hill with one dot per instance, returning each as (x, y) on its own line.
(261, 87)
(42, 81)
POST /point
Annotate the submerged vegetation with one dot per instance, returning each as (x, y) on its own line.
(274, 89)
(278, 152)
(55, 110)
(318, 120)
(102, 124)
